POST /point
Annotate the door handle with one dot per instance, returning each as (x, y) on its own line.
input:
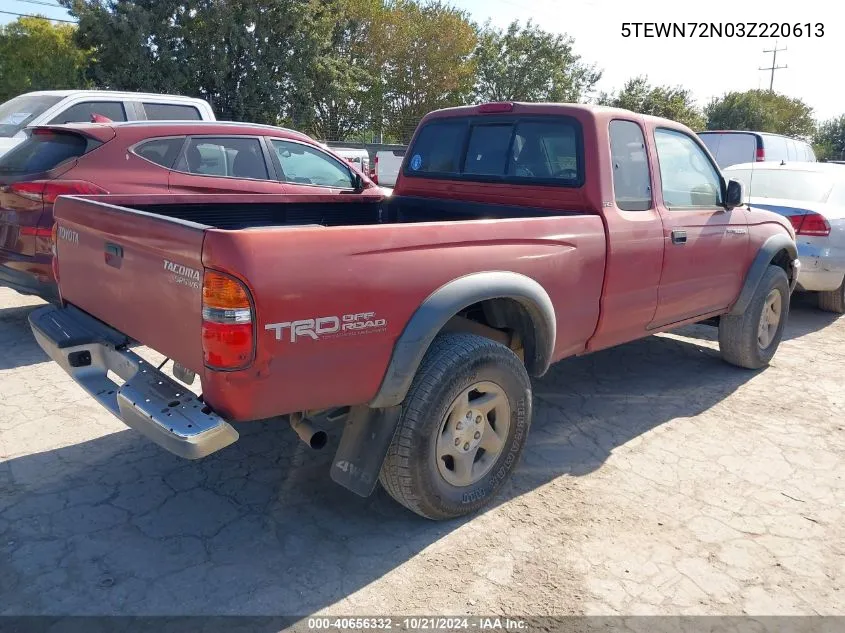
(679, 237)
(113, 255)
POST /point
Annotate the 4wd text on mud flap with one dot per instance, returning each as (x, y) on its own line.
(363, 322)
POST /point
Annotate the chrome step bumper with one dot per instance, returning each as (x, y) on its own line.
(148, 401)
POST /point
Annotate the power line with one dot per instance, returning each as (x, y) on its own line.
(774, 51)
(29, 15)
(43, 4)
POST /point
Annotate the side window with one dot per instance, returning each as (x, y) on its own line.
(437, 148)
(776, 148)
(171, 112)
(308, 166)
(808, 153)
(161, 151)
(791, 150)
(631, 183)
(235, 157)
(688, 178)
(83, 112)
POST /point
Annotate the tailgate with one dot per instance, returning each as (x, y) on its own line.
(140, 273)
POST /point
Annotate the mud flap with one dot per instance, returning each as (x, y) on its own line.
(366, 437)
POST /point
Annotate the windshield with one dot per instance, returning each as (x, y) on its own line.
(806, 186)
(17, 113)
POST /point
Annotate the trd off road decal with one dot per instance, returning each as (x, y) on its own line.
(328, 327)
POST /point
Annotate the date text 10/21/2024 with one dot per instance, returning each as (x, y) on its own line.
(421, 623)
(722, 29)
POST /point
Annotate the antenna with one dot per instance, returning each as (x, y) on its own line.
(774, 51)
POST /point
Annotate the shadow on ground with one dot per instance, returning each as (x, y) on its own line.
(16, 342)
(116, 525)
(805, 317)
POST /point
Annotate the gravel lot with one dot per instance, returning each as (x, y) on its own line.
(657, 480)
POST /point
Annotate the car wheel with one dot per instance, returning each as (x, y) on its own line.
(462, 428)
(833, 300)
(751, 339)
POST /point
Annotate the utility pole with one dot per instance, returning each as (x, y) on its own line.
(774, 51)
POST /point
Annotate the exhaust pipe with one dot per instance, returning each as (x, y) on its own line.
(315, 438)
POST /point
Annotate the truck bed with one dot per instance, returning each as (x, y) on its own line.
(236, 212)
(137, 263)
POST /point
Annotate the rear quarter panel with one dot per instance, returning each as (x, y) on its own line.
(389, 270)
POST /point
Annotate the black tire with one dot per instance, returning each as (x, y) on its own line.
(453, 363)
(833, 300)
(738, 340)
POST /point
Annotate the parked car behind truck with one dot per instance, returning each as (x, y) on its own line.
(732, 147)
(81, 106)
(518, 235)
(812, 197)
(148, 158)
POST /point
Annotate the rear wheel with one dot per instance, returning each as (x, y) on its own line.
(833, 300)
(462, 429)
(751, 339)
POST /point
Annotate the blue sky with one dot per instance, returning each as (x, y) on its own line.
(709, 67)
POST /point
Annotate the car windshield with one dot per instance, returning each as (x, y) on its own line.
(806, 186)
(17, 113)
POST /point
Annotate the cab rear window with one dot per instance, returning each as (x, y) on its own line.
(44, 151)
(547, 150)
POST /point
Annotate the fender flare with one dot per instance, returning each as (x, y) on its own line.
(446, 302)
(771, 247)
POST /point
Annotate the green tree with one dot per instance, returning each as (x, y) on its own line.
(252, 60)
(760, 110)
(829, 141)
(36, 54)
(423, 62)
(640, 96)
(344, 75)
(529, 64)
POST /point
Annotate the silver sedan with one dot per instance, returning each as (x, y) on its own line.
(812, 196)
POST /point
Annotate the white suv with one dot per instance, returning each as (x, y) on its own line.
(83, 106)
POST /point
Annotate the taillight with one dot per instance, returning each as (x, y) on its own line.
(761, 155)
(228, 341)
(36, 231)
(810, 224)
(48, 190)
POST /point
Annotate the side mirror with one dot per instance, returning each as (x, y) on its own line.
(734, 194)
(357, 181)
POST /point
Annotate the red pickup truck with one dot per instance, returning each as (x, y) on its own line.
(517, 235)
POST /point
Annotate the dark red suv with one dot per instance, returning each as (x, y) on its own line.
(144, 157)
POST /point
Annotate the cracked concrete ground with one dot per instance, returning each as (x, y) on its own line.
(657, 480)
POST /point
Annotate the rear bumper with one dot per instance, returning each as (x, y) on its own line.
(822, 268)
(27, 283)
(148, 401)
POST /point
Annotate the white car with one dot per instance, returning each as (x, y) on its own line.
(386, 167)
(812, 196)
(85, 106)
(358, 157)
